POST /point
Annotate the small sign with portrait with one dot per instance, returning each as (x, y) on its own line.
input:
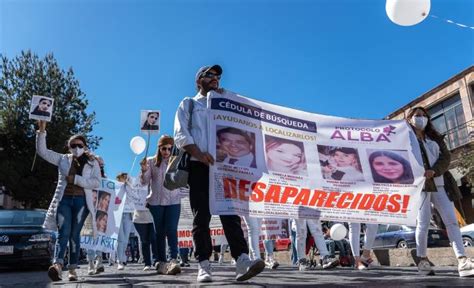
(150, 121)
(41, 108)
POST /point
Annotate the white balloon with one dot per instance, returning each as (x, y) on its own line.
(407, 12)
(138, 145)
(338, 232)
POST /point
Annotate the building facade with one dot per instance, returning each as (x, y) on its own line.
(451, 106)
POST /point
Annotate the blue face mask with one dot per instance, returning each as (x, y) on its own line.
(419, 122)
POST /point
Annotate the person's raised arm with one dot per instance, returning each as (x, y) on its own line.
(48, 155)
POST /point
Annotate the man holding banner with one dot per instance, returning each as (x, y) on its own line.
(194, 140)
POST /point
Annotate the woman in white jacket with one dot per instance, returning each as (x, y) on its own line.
(79, 173)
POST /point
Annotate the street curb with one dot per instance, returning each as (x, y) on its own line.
(400, 257)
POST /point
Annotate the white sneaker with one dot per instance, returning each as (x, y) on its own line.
(246, 268)
(91, 268)
(466, 267)
(271, 264)
(99, 266)
(162, 268)
(147, 268)
(120, 266)
(204, 272)
(304, 264)
(72, 275)
(173, 267)
(221, 259)
(424, 268)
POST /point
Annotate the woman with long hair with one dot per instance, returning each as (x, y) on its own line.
(390, 167)
(284, 155)
(164, 205)
(438, 190)
(79, 173)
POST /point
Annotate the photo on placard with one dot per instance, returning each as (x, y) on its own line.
(285, 155)
(340, 163)
(104, 201)
(101, 219)
(390, 166)
(94, 197)
(41, 108)
(150, 121)
(235, 146)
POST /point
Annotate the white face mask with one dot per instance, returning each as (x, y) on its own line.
(419, 122)
(77, 152)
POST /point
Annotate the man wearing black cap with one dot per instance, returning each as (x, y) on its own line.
(194, 140)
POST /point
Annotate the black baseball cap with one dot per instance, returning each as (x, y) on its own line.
(205, 69)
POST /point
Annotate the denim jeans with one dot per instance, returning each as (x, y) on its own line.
(294, 253)
(124, 234)
(93, 255)
(166, 220)
(71, 215)
(146, 231)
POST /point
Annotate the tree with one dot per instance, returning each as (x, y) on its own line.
(21, 78)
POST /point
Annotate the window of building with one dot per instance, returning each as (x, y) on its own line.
(448, 118)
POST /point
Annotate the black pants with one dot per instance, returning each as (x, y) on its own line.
(199, 198)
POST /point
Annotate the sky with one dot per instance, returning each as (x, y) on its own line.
(335, 57)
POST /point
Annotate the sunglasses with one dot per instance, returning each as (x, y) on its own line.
(211, 75)
(166, 148)
(76, 146)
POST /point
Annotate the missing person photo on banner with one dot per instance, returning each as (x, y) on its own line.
(390, 166)
(235, 146)
(285, 155)
(340, 163)
(41, 108)
(150, 121)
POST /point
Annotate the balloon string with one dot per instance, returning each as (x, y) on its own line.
(452, 22)
(133, 165)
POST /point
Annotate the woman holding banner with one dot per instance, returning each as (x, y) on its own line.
(79, 173)
(439, 189)
(164, 205)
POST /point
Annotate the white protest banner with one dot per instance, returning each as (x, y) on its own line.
(41, 108)
(109, 212)
(278, 162)
(136, 194)
(185, 226)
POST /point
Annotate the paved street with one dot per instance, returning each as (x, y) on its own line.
(133, 276)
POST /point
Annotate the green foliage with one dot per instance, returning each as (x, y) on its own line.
(21, 78)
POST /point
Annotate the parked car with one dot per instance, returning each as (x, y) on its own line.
(467, 233)
(401, 236)
(22, 239)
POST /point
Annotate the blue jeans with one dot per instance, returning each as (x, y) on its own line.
(269, 247)
(166, 220)
(146, 231)
(123, 237)
(294, 256)
(71, 215)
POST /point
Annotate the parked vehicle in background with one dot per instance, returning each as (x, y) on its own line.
(401, 236)
(23, 241)
(467, 233)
